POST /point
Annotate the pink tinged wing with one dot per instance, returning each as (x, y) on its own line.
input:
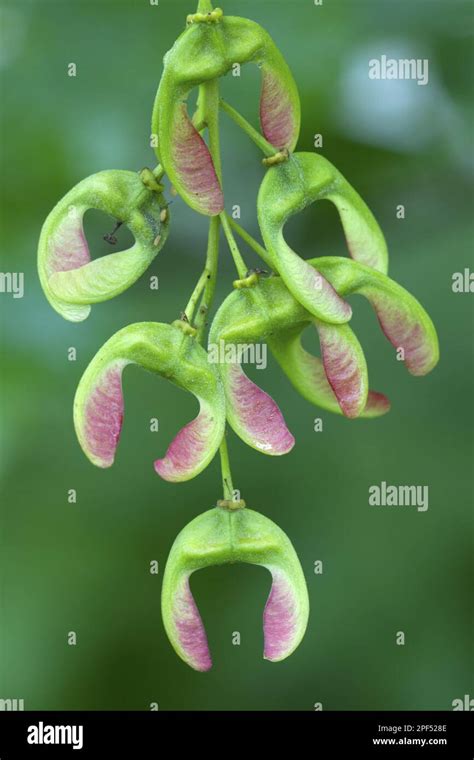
(254, 415)
(194, 166)
(316, 388)
(280, 619)
(277, 118)
(306, 373)
(405, 331)
(68, 246)
(377, 404)
(311, 289)
(190, 451)
(345, 367)
(365, 240)
(102, 278)
(402, 318)
(189, 629)
(100, 415)
(370, 255)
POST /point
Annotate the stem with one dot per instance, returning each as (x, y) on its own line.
(151, 183)
(158, 172)
(205, 6)
(210, 107)
(211, 267)
(199, 117)
(251, 242)
(267, 148)
(234, 249)
(192, 303)
(227, 486)
(208, 114)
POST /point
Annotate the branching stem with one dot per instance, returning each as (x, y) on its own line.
(251, 242)
(196, 294)
(233, 247)
(205, 6)
(209, 97)
(158, 172)
(267, 148)
(212, 259)
(227, 486)
(208, 115)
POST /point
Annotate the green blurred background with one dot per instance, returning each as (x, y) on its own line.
(84, 567)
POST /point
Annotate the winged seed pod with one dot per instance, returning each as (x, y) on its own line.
(254, 314)
(338, 381)
(402, 318)
(70, 280)
(286, 190)
(220, 536)
(205, 52)
(167, 351)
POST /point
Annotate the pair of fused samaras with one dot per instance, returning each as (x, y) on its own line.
(70, 280)
(220, 536)
(203, 53)
(288, 189)
(166, 351)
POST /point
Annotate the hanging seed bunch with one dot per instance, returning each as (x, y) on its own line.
(297, 295)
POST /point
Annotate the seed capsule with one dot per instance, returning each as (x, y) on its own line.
(164, 350)
(285, 191)
(70, 280)
(218, 537)
(202, 54)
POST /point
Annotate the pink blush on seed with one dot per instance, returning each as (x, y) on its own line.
(342, 369)
(404, 332)
(188, 449)
(190, 629)
(103, 417)
(69, 249)
(276, 113)
(258, 414)
(194, 165)
(279, 619)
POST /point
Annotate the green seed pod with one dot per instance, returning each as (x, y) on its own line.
(289, 188)
(203, 53)
(164, 350)
(264, 313)
(70, 280)
(218, 537)
(338, 381)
